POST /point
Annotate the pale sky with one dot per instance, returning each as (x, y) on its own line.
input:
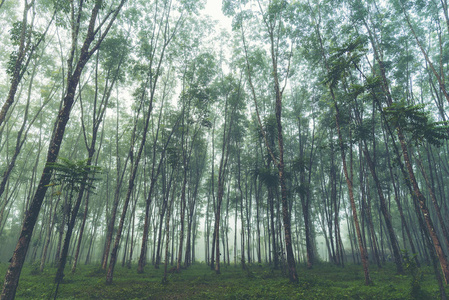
(213, 9)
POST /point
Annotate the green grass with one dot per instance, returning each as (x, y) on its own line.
(324, 281)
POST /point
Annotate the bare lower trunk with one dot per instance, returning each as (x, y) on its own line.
(80, 237)
(351, 198)
(114, 252)
(425, 211)
(183, 212)
(217, 235)
(274, 250)
(146, 227)
(385, 213)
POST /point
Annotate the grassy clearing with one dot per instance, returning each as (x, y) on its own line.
(325, 281)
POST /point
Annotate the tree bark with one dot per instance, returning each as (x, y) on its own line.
(351, 198)
(18, 258)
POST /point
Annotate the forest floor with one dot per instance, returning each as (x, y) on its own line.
(324, 281)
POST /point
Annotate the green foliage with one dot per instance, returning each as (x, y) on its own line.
(61, 6)
(417, 122)
(115, 50)
(363, 131)
(269, 177)
(35, 269)
(325, 281)
(71, 174)
(416, 291)
(16, 34)
(344, 58)
(241, 16)
(191, 6)
(229, 7)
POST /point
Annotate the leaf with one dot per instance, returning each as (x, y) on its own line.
(413, 120)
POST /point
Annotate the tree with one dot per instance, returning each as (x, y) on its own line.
(73, 177)
(160, 34)
(332, 80)
(27, 40)
(406, 157)
(232, 94)
(114, 56)
(75, 68)
(274, 21)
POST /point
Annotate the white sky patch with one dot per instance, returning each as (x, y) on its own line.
(213, 9)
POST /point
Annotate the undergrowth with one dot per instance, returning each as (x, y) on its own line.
(324, 281)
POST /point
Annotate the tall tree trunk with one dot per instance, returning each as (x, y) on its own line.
(305, 194)
(159, 239)
(97, 119)
(434, 202)
(15, 268)
(183, 211)
(383, 207)
(371, 231)
(420, 198)
(114, 252)
(351, 198)
(258, 193)
(274, 250)
(242, 219)
(155, 171)
(80, 237)
(425, 211)
(229, 120)
(167, 232)
(50, 226)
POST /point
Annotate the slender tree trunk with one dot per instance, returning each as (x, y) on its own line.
(426, 214)
(50, 226)
(167, 233)
(435, 203)
(274, 250)
(399, 205)
(371, 231)
(387, 217)
(80, 237)
(131, 183)
(239, 186)
(15, 268)
(146, 228)
(155, 171)
(351, 198)
(183, 211)
(420, 198)
(258, 193)
(114, 252)
(188, 252)
(217, 228)
(161, 219)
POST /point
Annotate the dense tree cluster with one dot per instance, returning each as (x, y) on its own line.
(140, 132)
